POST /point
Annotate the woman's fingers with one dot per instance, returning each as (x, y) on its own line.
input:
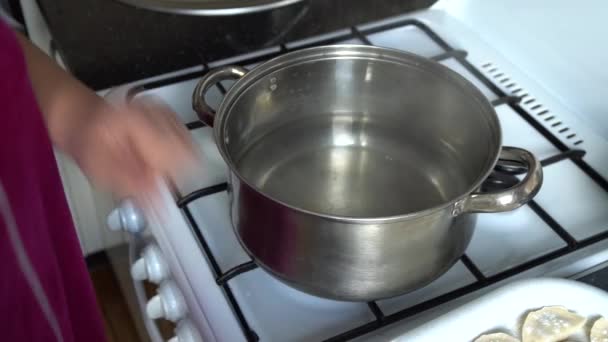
(161, 141)
(110, 160)
(125, 150)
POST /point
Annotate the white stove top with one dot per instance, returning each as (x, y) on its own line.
(564, 231)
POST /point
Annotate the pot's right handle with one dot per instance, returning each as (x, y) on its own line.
(515, 196)
(205, 113)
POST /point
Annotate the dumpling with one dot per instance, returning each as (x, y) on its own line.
(496, 337)
(599, 331)
(551, 324)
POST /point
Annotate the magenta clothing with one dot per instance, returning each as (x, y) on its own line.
(45, 290)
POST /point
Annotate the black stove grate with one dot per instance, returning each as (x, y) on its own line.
(500, 178)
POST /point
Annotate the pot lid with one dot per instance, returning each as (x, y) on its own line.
(209, 7)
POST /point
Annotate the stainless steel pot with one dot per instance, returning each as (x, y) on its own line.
(355, 170)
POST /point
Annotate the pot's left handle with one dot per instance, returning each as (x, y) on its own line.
(205, 113)
(513, 197)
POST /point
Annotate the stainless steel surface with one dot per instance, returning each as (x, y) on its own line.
(354, 168)
(205, 112)
(514, 197)
(210, 7)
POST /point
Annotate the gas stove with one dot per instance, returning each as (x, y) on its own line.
(213, 289)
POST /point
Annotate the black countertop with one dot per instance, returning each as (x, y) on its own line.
(106, 43)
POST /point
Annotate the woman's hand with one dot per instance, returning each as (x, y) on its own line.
(124, 149)
(121, 149)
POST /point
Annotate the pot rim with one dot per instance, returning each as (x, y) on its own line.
(352, 51)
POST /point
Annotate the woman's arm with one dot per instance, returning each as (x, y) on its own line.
(64, 101)
(122, 149)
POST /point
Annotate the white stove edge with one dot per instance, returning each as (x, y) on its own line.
(208, 308)
(556, 42)
(479, 53)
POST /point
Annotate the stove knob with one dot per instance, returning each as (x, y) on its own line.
(151, 266)
(168, 303)
(186, 332)
(127, 217)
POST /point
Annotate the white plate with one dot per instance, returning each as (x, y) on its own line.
(504, 309)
